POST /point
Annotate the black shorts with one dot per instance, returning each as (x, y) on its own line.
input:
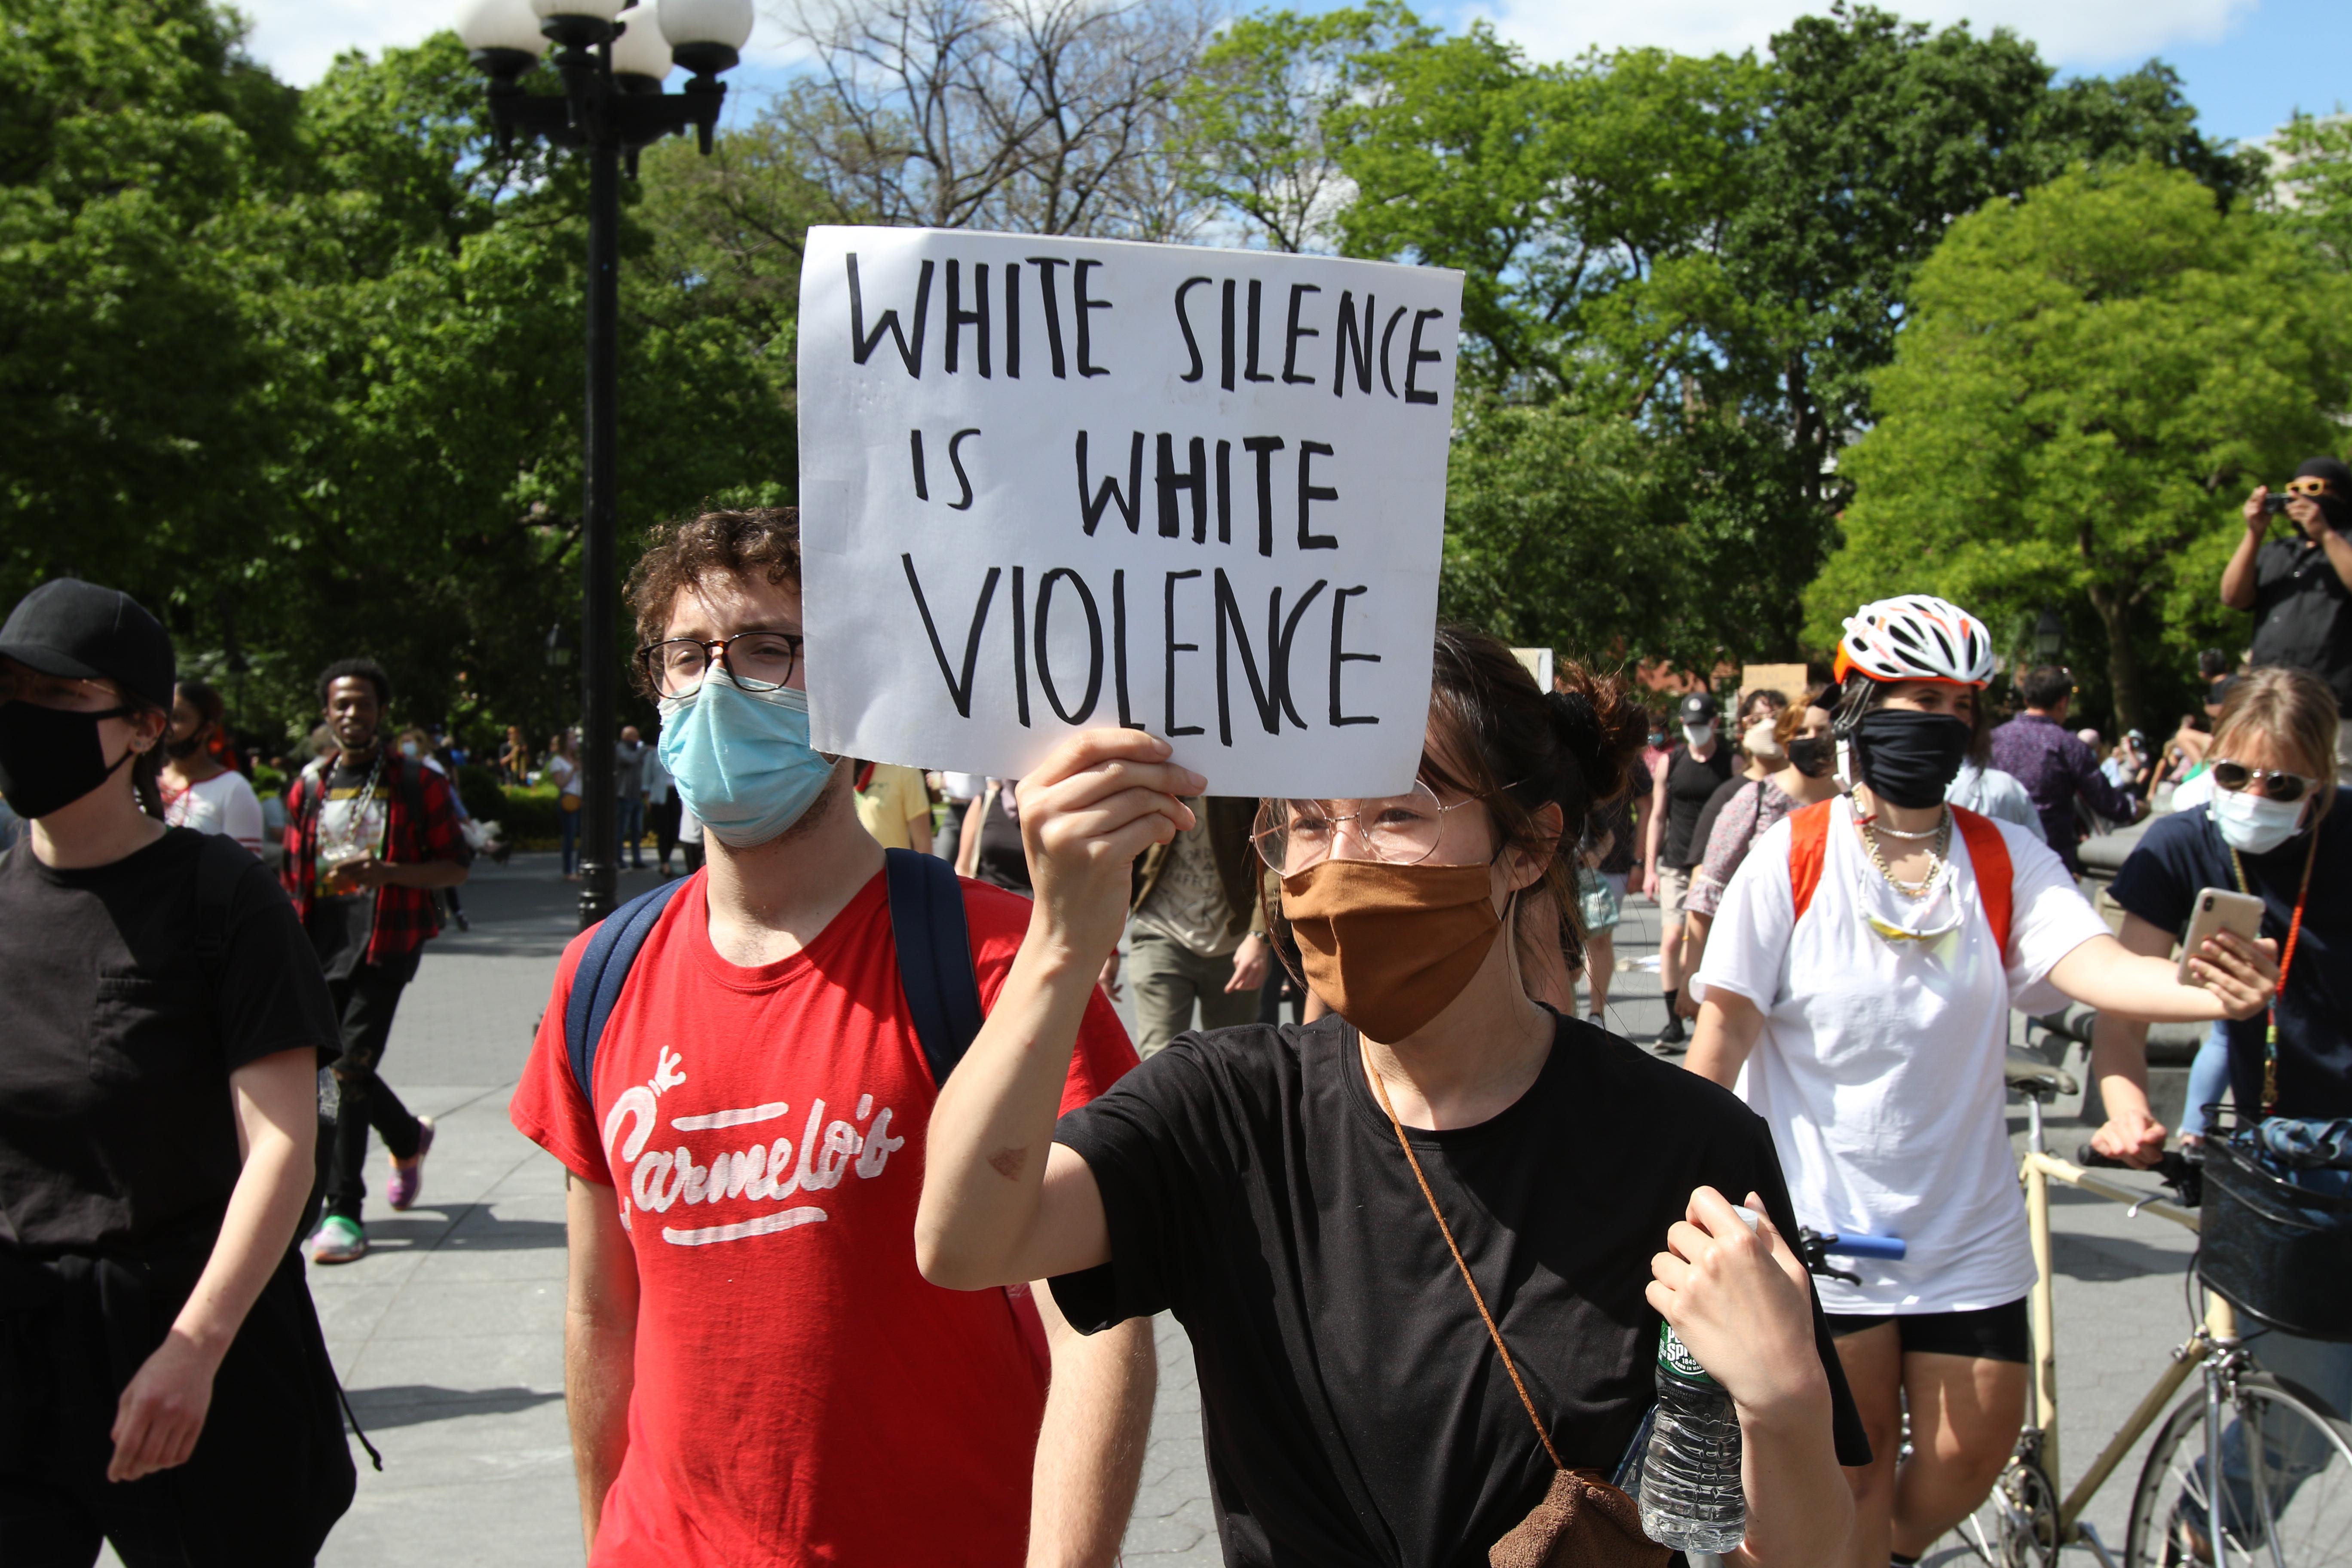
(270, 1475)
(1987, 1333)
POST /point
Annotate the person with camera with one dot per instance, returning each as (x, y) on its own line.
(164, 1383)
(2300, 588)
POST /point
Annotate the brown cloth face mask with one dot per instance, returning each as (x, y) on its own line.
(1390, 946)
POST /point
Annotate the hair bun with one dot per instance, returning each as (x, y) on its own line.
(1578, 724)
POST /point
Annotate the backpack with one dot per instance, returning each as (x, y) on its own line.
(935, 970)
(927, 920)
(1808, 843)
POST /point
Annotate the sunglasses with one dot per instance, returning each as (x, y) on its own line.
(2283, 787)
(2306, 487)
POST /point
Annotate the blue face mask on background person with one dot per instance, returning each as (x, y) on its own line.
(2255, 824)
(742, 760)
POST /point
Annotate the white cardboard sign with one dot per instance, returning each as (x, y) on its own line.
(1048, 484)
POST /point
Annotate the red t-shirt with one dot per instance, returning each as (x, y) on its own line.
(803, 1394)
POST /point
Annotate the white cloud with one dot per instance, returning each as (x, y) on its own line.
(298, 39)
(2079, 33)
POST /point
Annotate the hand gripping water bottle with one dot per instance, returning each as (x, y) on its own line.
(1691, 1497)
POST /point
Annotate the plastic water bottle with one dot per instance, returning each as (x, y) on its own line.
(1691, 1497)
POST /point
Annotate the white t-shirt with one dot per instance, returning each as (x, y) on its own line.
(1879, 1066)
(224, 804)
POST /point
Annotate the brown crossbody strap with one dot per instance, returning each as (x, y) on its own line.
(1476, 1294)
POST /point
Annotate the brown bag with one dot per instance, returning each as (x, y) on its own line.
(1583, 1522)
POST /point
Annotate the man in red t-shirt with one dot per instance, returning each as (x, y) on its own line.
(756, 1373)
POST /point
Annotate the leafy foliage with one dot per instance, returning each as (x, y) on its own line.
(313, 384)
(2089, 382)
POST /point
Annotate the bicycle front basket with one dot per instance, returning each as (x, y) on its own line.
(2277, 1251)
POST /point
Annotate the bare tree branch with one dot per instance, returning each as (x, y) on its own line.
(1032, 116)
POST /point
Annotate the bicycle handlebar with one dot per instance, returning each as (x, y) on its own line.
(2184, 1175)
(1814, 1247)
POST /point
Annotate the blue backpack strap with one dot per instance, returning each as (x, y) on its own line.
(927, 920)
(604, 970)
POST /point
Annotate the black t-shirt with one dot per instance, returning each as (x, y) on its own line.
(2303, 614)
(116, 1127)
(1690, 785)
(2183, 853)
(1252, 1185)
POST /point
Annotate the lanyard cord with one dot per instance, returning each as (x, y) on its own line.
(2286, 962)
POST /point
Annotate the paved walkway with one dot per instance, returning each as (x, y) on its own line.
(449, 1335)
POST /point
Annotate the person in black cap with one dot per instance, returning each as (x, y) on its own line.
(164, 1383)
(2300, 588)
(1686, 781)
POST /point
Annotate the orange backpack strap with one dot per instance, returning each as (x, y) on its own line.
(1809, 843)
(1989, 853)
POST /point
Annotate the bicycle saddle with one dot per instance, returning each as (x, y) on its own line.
(2031, 1075)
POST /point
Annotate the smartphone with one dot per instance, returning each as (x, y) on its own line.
(2219, 909)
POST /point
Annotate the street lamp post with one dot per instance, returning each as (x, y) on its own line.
(2049, 636)
(613, 61)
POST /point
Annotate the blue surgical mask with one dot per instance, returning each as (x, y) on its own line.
(2255, 824)
(742, 760)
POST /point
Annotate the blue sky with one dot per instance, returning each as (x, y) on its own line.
(2247, 64)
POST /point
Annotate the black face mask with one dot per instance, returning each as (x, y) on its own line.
(51, 757)
(1812, 757)
(1910, 759)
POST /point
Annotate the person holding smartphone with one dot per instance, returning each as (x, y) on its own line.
(2273, 828)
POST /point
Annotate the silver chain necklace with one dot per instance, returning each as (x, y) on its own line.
(1941, 833)
(355, 826)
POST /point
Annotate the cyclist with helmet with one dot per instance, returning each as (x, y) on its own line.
(1855, 985)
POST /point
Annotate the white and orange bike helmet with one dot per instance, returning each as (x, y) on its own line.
(1913, 636)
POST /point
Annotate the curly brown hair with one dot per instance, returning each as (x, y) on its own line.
(679, 555)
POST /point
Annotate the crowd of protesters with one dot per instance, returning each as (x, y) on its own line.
(902, 1271)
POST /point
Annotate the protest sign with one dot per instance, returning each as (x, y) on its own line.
(1048, 484)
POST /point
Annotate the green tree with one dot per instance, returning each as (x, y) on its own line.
(304, 370)
(2314, 190)
(137, 145)
(1878, 135)
(2088, 381)
(1252, 118)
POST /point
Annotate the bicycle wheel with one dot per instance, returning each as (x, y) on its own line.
(2286, 1499)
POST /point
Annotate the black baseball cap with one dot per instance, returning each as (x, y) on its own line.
(1696, 708)
(82, 631)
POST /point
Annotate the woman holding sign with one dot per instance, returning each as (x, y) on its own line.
(1275, 1185)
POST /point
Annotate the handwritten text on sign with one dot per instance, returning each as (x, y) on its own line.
(1048, 484)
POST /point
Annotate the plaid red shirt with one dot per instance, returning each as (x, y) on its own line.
(420, 825)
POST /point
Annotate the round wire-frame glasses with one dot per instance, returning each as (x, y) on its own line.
(754, 660)
(1296, 834)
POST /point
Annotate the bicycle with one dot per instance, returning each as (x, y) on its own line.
(2288, 1504)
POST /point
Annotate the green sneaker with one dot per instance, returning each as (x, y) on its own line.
(338, 1240)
